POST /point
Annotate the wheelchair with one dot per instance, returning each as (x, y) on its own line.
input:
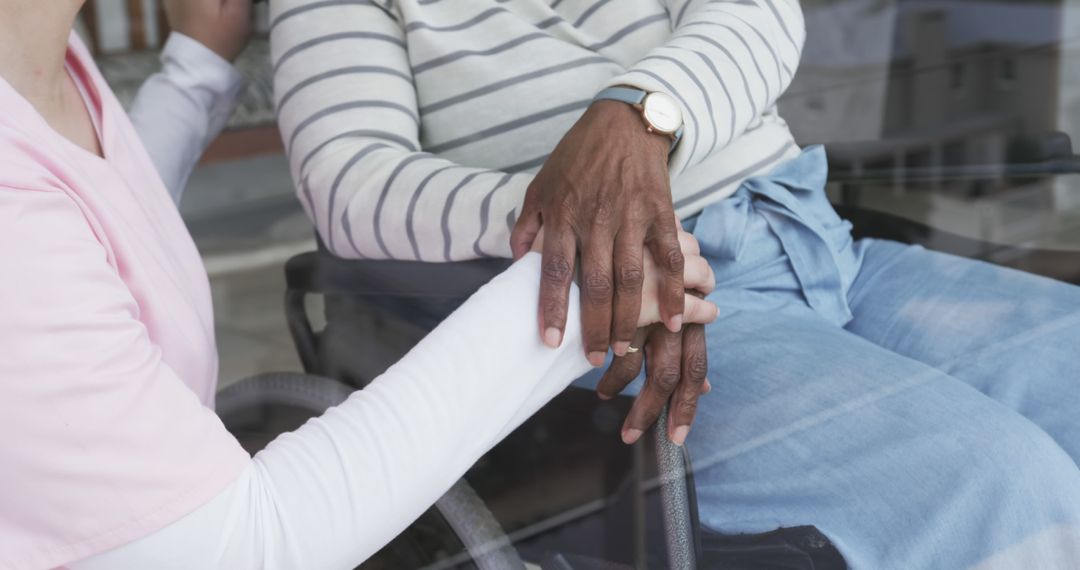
(387, 306)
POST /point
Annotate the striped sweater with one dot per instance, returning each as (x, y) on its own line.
(414, 127)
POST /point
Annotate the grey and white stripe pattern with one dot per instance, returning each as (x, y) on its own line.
(414, 127)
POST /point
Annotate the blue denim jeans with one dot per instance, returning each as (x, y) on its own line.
(922, 410)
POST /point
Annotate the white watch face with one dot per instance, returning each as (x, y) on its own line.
(663, 113)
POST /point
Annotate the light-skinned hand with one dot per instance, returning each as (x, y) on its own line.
(224, 26)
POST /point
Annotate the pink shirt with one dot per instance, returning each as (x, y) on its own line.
(108, 365)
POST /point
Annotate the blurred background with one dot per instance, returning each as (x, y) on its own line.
(239, 204)
(899, 89)
(959, 115)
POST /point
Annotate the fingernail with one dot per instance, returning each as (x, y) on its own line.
(707, 387)
(620, 347)
(678, 437)
(676, 323)
(553, 337)
(631, 435)
(597, 358)
(603, 396)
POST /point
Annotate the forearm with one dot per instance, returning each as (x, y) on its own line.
(347, 108)
(381, 202)
(727, 62)
(181, 109)
(336, 490)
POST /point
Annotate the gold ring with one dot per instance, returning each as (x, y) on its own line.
(631, 350)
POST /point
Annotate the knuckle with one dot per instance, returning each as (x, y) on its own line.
(674, 260)
(565, 208)
(661, 204)
(597, 288)
(686, 408)
(631, 277)
(667, 378)
(603, 213)
(557, 268)
(697, 367)
(675, 293)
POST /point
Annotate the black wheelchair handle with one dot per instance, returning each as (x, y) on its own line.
(320, 272)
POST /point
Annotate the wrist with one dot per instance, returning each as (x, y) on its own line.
(628, 123)
(193, 66)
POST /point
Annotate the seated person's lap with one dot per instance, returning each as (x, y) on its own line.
(888, 411)
(894, 429)
(810, 424)
(1011, 335)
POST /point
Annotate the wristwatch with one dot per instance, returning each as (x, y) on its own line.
(660, 111)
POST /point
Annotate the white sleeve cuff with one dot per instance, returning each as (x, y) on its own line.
(181, 109)
(203, 66)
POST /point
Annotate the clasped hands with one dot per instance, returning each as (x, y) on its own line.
(605, 193)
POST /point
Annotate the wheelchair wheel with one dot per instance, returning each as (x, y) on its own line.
(257, 409)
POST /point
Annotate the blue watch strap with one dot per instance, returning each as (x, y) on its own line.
(633, 96)
(625, 94)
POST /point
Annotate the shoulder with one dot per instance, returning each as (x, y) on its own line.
(27, 160)
(37, 222)
(33, 198)
(40, 217)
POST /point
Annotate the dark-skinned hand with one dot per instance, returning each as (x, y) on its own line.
(603, 192)
(677, 364)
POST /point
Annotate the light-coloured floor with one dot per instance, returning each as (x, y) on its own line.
(247, 223)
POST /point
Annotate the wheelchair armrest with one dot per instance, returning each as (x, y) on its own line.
(1031, 155)
(1053, 167)
(322, 273)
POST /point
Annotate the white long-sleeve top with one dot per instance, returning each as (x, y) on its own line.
(181, 109)
(339, 488)
(336, 490)
(414, 127)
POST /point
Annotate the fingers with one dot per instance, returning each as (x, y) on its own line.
(629, 278)
(527, 226)
(667, 253)
(698, 275)
(692, 385)
(597, 289)
(556, 275)
(689, 244)
(695, 310)
(699, 311)
(623, 369)
(663, 356)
